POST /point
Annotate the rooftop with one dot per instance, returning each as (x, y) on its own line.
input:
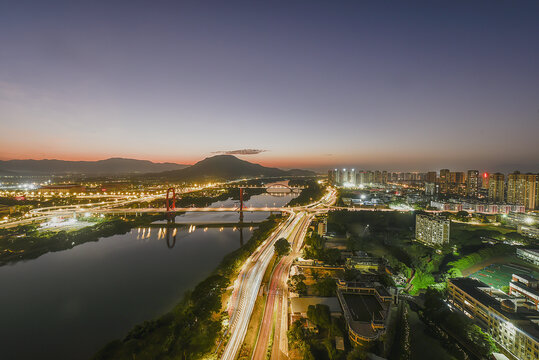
(301, 304)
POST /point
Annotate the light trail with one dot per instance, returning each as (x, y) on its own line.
(250, 278)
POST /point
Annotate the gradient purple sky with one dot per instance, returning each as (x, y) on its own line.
(371, 84)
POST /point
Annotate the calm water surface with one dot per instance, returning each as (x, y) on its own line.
(68, 304)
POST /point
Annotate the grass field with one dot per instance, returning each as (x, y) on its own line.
(499, 275)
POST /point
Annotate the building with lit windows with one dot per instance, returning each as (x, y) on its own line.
(525, 286)
(445, 180)
(62, 189)
(431, 177)
(430, 188)
(530, 255)
(496, 188)
(432, 230)
(522, 189)
(472, 183)
(529, 231)
(514, 328)
(484, 181)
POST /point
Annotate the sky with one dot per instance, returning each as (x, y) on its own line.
(395, 85)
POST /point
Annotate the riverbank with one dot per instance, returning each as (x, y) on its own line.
(191, 329)
(29, 242)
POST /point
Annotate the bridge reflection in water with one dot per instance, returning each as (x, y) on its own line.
(169, 231)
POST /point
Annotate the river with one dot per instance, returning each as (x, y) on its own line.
(68, 304)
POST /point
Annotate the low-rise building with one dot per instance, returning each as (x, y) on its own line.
(366, 308)
(530, 255)
(62, 189)
(322, 227)
(363, 262)
(525, 286)
(521, 218)
(300, 305)
(513, 328)
(529, 231)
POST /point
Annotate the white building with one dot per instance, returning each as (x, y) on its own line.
(531, 255)
(432, 230)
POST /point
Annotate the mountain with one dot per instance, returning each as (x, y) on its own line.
(227, 167)
(112, 166)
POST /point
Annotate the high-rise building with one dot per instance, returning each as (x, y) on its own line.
(472, 183)
(522, 189)
(457, 183)
(431, 177)
(430, 188)
(432, 230)
(331, 176)
(496, 188)
(377, 177)
(445, 179)
(484, 181)
(352, 177)
(369, 177)
(384, 177)
(338, 177)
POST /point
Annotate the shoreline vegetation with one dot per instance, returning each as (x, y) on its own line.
(192, 328)
(28, 242)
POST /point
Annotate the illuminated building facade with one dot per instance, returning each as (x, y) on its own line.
(472, 184)
(512, 327)
(496, 188)
(522, 189)
(432, 230)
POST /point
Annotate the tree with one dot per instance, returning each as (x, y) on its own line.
(332, 256)
(482, 341)
(462, 216)
(325, 286)
(298, 335)
(297, 285)
(357, 354)
(319, 315)
(282, 247)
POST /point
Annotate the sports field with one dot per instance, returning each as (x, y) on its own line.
(499, 275)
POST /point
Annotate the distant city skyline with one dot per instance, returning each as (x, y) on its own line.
(307, 84)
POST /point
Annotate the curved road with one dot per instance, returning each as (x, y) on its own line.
(247, 286)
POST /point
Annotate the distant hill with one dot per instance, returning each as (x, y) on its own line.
(226, 167)
(112, 166)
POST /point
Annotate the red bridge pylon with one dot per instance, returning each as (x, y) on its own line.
(170, 202)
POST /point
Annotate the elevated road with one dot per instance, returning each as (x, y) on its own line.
(277, 302)
(247, 285)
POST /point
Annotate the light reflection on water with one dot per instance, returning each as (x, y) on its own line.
(68, 304)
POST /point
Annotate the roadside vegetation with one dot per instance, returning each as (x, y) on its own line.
(192, 329)
(282, 247)
(318, 342)
(312, 192)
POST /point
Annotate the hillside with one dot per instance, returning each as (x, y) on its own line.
(112, 166)
(227, 167)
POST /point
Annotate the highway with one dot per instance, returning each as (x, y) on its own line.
(277, 302)
(247, 285)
